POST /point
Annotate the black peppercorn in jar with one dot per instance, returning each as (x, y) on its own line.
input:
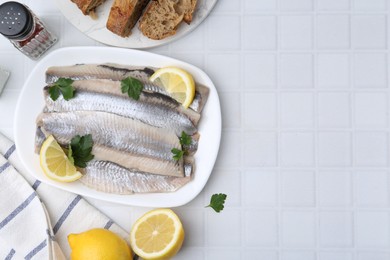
(24, 29)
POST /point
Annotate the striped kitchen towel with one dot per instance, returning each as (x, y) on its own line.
(36, 218)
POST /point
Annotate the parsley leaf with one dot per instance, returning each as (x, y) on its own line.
(185, 139)
(63, 86)
(80, 149)
(132, 87)
(217, 202)
(177, 154)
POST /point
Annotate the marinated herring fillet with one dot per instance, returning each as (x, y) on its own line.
(118, 72)
(151, 108)
(124, 14)
(127, 142)
(111, 178)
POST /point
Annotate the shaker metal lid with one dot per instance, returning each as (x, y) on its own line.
(16, 21)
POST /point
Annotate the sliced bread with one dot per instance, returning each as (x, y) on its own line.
(88, 6)
(186, 7)
(160, 19)
(124, 14)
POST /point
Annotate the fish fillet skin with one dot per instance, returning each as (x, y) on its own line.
(118, 72)
(109, 177)
(151, 108)
(125, 141)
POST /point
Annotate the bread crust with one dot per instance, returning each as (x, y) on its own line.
(123, 16)
(87, 6)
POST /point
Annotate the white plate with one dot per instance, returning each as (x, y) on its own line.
(96, 29)
(31, 102)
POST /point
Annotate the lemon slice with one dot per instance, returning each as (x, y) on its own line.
(158, 234)
(55, 164)
(177, 82)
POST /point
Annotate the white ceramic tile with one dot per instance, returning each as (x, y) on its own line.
(332, 31)
(260, 188)
(296, 70)
(260, 254)
(370, 70)
(261, 228)
(370, 5)
(335, 255)
(218, 39)
(8, 100)
(231, 185)
(333, 110)
(298, 188)
(334, 149)
(193, 224)
(298, 229)
(295, 32)
(371, 188)
(373, 255)
(297, 110)
(336, 229)
(227, 6)
(371, 109)
(259, 32)
(296, 5)
(191, 42)
(333, 5)
(260, 149)
(220, 65)
(15, 65)
(260, 110)
(369, 31)
(231, 109)
(371, 149)
(218, 234)
(230, 150)
(334, 188)
(223, 253)
(191, 58)
(372, 229)
(251, 6)
(188, 253)
(259, 71)
(298, 255)
(297, 149)
(333, 70)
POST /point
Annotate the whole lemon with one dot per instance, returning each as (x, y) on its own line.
(98, 244)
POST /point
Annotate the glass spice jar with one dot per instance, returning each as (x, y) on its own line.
(24, 29)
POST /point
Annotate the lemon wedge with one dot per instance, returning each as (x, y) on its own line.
(177, 82)
(55, 164)
(158, 234)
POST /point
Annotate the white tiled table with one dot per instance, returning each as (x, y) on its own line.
(305, 149)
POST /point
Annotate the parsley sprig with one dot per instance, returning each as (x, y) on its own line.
(62, 86)
(177, 154)
(217, 202)
(132, 86)
(79, 151)
(185, 139)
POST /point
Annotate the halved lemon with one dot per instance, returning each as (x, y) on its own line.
(158, 234)
(177, 82)
(55, 164)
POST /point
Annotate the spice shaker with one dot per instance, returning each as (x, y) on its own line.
(25, 30)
